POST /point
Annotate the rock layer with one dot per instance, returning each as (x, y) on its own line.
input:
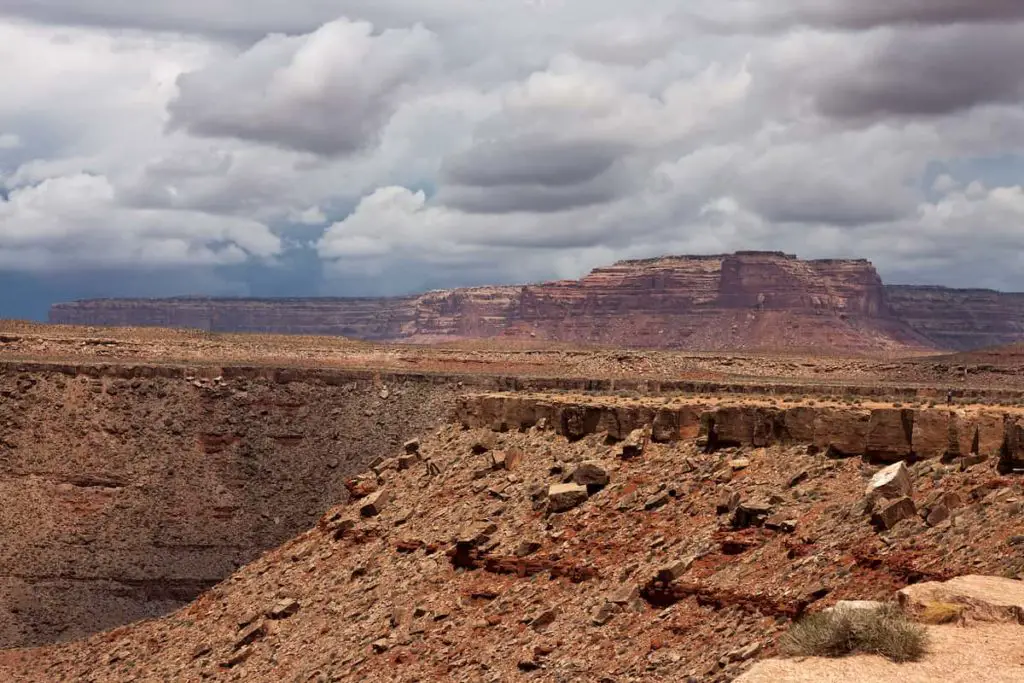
(759, 300)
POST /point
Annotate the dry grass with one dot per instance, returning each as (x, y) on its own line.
(941, 613)
(886, 632)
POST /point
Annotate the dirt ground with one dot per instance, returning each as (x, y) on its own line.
(998, 371)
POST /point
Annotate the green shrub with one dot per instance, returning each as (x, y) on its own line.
(837, 633)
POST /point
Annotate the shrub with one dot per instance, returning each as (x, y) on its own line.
(837, 633)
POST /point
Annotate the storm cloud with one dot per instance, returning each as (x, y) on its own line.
(329, 147)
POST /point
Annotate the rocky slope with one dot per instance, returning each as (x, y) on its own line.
(749, 300)
(127, 491)
(550, 554)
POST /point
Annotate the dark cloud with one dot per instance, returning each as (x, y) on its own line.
(511, 175)
(534, 198)
(932, 72)
(861, 15)
(523, 162)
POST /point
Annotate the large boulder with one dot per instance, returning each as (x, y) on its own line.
(984, 598)
(894, 513)
(892, 482)
(564, 497)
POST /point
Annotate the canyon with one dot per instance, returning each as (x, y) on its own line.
(188, 506)
(743, 301)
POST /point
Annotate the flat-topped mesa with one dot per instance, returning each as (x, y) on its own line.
(771, 282)
(747, 300)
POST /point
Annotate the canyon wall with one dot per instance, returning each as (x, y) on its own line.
(960, 319)
(128, 490)
(748, 300)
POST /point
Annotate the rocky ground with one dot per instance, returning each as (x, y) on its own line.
(814, 373)
(482, 556)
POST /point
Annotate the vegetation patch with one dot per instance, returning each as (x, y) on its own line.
(885, 631)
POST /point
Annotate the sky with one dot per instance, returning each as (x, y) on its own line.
(377, 147)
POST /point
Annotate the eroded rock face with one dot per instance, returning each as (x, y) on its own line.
(883, 434)
(743, 300)
(128, 492)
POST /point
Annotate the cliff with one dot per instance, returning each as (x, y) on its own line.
(748, 300)
(129, 490)
(960, 319)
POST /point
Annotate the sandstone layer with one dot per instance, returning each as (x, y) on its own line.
(748, 300)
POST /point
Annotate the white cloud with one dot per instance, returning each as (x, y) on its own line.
(75, 221)
(329, 92)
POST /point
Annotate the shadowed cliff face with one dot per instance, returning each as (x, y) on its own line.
(960, 319)
(129, 492)
(749, 300)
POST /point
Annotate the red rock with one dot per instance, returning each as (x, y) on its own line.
(890, 434)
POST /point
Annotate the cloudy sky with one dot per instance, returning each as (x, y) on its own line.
(343, 147)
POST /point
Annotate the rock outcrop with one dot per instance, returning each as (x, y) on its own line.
(748, 300)
(974, 434)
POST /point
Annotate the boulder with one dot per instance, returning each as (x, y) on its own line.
(894, 513)
(782, 521)
(634, 445)
(591, 474)
(283, 609)
(412, 446)
(984, 598)
(727, 502)
(624, 595)
(564, 497)
(658, 500)
(373, 505)
(406, 462)
(751, 513)
(937, 515)
(892, 482)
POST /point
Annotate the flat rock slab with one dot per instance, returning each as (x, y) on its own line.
(989, 653)
(987, 598)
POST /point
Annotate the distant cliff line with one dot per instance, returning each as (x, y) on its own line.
(742, 301)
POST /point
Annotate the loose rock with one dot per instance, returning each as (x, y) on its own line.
(563, 497)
